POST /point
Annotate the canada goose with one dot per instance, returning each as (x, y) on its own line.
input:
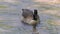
(30, 17)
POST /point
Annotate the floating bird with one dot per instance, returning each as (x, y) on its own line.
(30, 17)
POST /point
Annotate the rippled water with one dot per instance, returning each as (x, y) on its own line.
(10, 18)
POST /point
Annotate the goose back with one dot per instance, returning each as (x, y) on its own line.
(27, 13)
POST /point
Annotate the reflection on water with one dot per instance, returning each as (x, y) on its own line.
(10, 18)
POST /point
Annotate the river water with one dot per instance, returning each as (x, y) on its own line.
(10, 18)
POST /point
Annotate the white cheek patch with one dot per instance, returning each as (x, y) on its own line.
(28, 21)
(31, 22)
